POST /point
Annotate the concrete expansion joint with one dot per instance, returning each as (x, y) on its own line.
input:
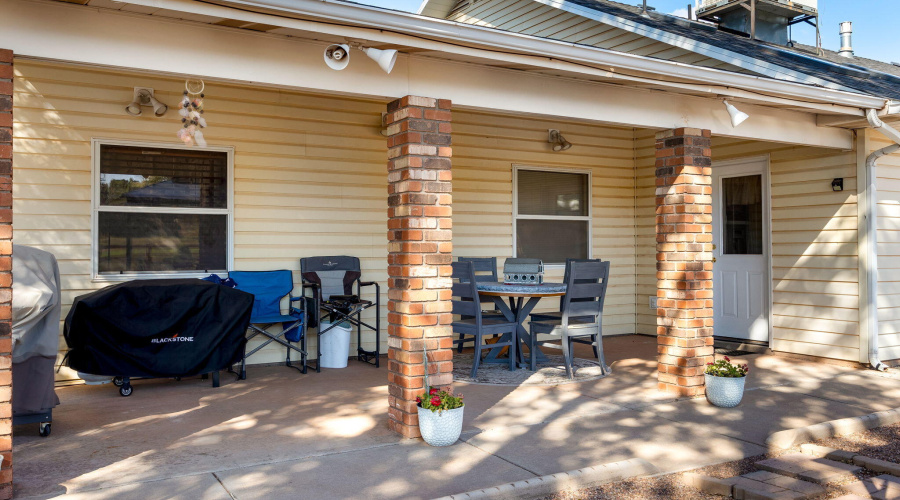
(553, 483)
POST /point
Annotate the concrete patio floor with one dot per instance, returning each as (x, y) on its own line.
(281, 434)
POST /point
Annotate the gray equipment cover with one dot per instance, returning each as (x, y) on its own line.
(36, 304)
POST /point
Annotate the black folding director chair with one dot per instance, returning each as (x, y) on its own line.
(332, 281)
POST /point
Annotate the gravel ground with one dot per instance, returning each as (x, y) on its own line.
(883, 443)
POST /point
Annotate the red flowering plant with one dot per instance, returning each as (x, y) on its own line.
(439, 400)
(725, 368)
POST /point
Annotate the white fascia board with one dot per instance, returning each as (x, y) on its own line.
(698, 47)
(155, 46)
(401, 28)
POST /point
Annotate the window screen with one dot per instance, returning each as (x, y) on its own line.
(553, 215)
(161, 210)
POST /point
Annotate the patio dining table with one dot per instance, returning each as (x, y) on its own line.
(517, 311)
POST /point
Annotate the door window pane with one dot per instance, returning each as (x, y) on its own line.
(742, 215)
(159, 177)
(155, 242)
(552, 193)
(552, 241)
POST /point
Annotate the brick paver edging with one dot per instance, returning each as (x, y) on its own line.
(788, 439)
(542, 486)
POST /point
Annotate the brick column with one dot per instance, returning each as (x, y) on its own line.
(420, 252)
(6, 110)
(684, 323)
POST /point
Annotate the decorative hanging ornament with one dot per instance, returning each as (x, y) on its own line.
(191, 112)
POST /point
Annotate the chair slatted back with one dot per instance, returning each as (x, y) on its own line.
(485, 268)
(585, 290)
(566, 279)
(465, 289)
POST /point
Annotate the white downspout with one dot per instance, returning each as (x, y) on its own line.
(872, 229)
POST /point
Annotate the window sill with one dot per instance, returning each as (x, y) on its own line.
(118, 278)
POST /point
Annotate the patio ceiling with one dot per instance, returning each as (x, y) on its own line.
(441, 40)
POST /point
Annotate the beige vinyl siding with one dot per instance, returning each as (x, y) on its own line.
(645, 229)
(814, 238)
(888, 187)
(309, 171)
(309, 176)
(486, 146)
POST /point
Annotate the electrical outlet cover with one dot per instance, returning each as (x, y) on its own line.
(653, 303)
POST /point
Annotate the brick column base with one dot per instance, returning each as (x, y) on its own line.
(419, 254)
(6, 110)
(684, 271)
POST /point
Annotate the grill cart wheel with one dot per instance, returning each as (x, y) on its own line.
(45, 429)
(126, 390)
(118, 381)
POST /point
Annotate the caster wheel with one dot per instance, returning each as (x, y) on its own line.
(178, 379)
(45, 430)
(118, 381)
(126, 390)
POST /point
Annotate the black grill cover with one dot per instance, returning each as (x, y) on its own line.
(158, 328)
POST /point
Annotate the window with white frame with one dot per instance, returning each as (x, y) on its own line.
(161, 210)
(552, 214)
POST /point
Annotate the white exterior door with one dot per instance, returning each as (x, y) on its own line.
(741, 239)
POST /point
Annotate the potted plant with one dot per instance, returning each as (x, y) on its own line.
(725, 382)
(440, 416)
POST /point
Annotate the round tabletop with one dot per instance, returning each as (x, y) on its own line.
(517, 290)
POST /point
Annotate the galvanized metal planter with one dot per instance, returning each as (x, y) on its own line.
(724, 392)
(441, 428)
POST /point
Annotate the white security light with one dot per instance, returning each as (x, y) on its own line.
(384, 58)
(143, 96)
(337, 56)
(557, 140)
(737, 116)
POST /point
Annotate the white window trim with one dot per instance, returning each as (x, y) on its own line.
(588, 218)
(96, 208)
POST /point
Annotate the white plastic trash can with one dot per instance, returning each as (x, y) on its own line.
(335, 345)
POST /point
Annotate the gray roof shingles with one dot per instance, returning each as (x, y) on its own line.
(884, 81)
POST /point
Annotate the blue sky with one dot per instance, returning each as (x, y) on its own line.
(874, 22)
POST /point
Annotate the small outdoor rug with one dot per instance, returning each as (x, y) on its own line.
(548, 373)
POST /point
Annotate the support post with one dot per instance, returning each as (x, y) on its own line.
(419, 254)
(6, 158)
(684, 265)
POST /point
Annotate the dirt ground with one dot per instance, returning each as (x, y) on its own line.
(883, 443)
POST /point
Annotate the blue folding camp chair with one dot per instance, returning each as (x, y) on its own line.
(268, 288)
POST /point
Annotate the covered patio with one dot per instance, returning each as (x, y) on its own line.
(306, 177)
(280, 435)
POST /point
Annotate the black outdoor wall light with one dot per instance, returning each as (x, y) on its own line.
(837, 184)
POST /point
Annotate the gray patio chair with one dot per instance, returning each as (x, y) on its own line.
(473, 322)
(579, 318)
(485, 271)
(555, 315)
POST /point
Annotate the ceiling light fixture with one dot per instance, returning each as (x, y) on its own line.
(557, 140)
(737, 116)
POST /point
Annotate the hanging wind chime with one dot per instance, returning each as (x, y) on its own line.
(191, 112)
